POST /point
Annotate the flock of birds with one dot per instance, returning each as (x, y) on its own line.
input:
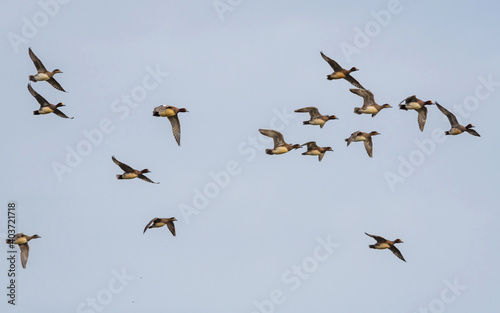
(280, 146)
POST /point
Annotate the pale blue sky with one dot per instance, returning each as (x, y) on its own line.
(239, 248)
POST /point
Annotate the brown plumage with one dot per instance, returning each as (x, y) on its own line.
(131, 173)
(413, 103)
(315, 117)
(45, 106)
(314, 149)
(456, 128)
(171, 112)
(160, 222)
(369, 104)
(22, 241)
(280, 146)
(43, 74)
(383, 243)
(365, 137)
(339, 72)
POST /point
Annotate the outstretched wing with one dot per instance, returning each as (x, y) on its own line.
(55, 84)
(25, 251)
(336, 67)
(449, 115)
(176, 128)
(350, 139)
(369, 146)
(149, 224)
(422, 117)
(41, 100)
(60, 114)
(171, 227)
(310, 145)
(377, 238)
(146, 179)
(313, 111)
(38, 64)
(276, 135)
(123, 166)
(397, 252)
(367, 96)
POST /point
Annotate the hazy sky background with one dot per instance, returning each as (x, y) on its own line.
(234, 74)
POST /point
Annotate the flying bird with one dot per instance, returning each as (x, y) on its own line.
(43, 74)
(366, 138)
(313, 149)
(413, 103)
(171, 112)
(22, 241)
(280, 146)
(131, 173)
(369, 104)
(456, 128)
(339, 72)
(315, 117)
(45, 106)
(383, 243)
(160, 222)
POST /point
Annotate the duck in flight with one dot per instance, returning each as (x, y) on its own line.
(456, 128)
(314, 149)
(160, 222)
(339, 72)
(131, 173)
(315, 117)
(42, 73)
(171, 112)
(45, 106)
(280, 146)
(369, 104)
(383, 243)
(366, 138)
(413, 103)
(22, 241)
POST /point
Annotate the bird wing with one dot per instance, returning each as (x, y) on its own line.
(410, 99)
(61, 114)
(149, 224)
(353, 81)
(176, 128)
(41, 100)
(146, 179)
(367, 96)
(377, 238)
(350, 139)
(38, 64)
(320, 157)
(276, 135)
(171, 227)
(336, 67)
(472, 132)
(55, 84)
(313, 111)
(310, 145)
(397, 252)
(449, 115)
(25, 251)
(422, 117)
(369, 146)
(123, 166)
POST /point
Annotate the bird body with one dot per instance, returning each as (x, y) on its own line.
(369, 104)
(456, 128)
(45, 106)
(340, 73)
(131, 173)
(314, 149)
(365, 137)
(22, 240)
(383, 243)
(42, 73)
(280, 146)
(160, 222)
(171, 113)
(315, 117)
(413, 103)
